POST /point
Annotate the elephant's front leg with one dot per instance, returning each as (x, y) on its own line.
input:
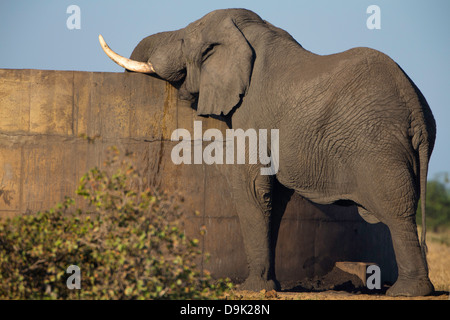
(253, 194)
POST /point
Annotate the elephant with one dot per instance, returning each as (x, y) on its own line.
(353, 129)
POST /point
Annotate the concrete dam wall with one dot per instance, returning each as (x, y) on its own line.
(42, 158)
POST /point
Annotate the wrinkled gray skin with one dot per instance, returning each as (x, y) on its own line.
(352, 126)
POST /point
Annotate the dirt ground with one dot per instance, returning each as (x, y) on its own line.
(352, 289)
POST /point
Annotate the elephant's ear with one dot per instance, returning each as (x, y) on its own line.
(219, 65)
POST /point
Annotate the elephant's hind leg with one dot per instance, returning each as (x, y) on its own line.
(412, 270)
(394, 203)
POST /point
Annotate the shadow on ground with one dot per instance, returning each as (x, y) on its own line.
(336, 280)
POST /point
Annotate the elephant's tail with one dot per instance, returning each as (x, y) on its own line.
(426, 138)
(423, 140)
(423, 171)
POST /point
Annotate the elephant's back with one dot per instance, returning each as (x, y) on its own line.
(363, 104)
(356, 115)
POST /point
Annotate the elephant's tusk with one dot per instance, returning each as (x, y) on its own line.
(132, 65)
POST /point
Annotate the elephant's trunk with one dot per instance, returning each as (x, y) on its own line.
(131, 65)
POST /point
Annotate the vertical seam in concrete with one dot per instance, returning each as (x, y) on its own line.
(73, 106)
(91, 125)
(29, 105)
(203, 217)
(100, 109)
(21, 209)
(132, 108)
(315, 248)
(74, 131)
(176, 112)
(89, 108)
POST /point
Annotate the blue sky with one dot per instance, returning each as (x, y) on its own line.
(416, 34)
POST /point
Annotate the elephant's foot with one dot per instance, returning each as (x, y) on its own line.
(411, 288)
(258, 284)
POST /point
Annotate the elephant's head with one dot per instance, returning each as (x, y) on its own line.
(211, 57)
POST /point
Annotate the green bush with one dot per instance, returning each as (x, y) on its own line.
(127, 240)
(437, 205)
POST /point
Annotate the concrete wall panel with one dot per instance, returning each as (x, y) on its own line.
(42, 157)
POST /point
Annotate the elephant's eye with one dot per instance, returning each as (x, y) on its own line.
(208, 52)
